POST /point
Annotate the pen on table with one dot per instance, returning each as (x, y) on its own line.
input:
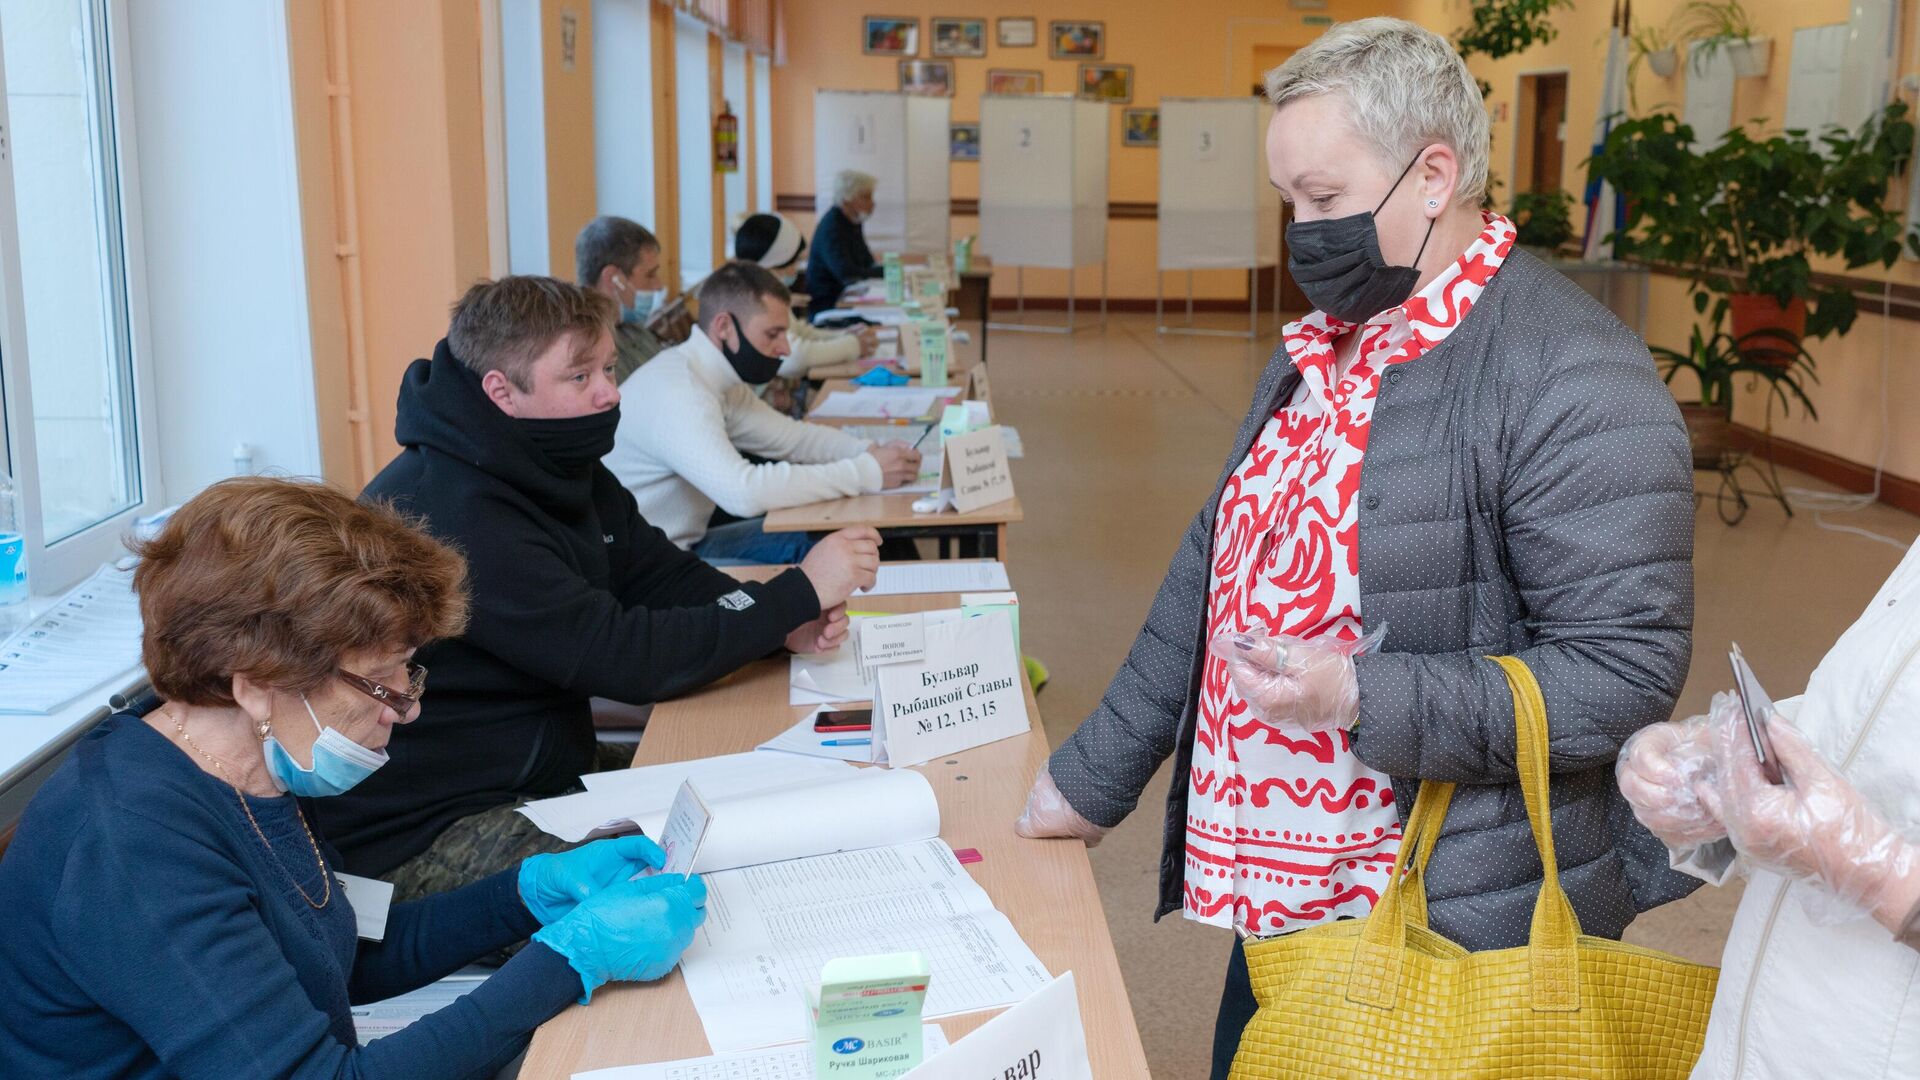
(846, 742)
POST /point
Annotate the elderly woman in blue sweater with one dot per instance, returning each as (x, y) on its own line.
(170, 911)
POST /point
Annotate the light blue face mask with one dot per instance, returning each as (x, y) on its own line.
(338, 762)
(637, 311)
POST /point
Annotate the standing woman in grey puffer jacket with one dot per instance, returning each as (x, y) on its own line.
(1461, 450)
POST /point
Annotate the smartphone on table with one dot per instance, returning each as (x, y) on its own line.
(834, 720)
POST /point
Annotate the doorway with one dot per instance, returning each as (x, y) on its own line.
(1541, 132)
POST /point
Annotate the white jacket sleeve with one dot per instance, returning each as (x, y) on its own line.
(816, 348)
(811, 463)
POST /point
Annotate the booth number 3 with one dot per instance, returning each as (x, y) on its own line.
(1205, 146)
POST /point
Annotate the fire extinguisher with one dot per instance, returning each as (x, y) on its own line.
(726, 140)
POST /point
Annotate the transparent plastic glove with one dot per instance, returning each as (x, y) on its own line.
(552, 885)
(1297, 682)
(1048, 814)
(1658, 767)
(1816, 825)
(631, 931)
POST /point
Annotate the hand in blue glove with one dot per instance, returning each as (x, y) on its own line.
(632, 930)
(552, 885)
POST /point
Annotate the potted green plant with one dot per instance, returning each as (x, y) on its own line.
(1542, 220)
(1715, 357)
(1745, 219)
(1500, 28)
(1721, 27)
(1654, 46)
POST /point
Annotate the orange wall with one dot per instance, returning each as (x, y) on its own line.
(569, 122)
(1849, 395)
(1177, 50)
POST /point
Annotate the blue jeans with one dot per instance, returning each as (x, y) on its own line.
(746, 543)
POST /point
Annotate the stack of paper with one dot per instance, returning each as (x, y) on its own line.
(383, 1018)
(86, 638)
(616, 802)
(945, 576)
(819, 807)
(770, 929)
(884, 402)
(780, 1063)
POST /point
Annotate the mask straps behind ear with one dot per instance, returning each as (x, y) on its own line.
(1396, 184)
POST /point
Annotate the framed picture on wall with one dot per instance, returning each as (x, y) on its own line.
(1013, 81)
(958, 37)
(1107, 82)
(1140, 127)
(1077, 40)
(934, 78)
(887, 35)
(963, 142)
(1018, 32)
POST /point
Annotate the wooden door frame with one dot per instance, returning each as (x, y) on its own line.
(1513, 134)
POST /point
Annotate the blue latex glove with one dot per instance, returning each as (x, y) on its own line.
(880, 376)
(552, 885)
(632, 931)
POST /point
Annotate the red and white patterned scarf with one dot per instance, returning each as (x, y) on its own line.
(1287, 829)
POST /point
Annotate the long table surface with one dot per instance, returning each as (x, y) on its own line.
(1044, 886)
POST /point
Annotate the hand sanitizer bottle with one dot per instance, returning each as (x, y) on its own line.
(13, 558)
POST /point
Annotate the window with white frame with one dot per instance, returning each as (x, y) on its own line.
(694, 125)
(733, 88)
(73, 401)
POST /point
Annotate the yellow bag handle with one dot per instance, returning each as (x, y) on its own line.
(1375, 977)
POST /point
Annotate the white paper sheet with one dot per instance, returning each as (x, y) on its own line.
(383, 1018)
(794, 1062)
(86, 638)
(938, 577)
(866, 808)
(616, 801)
(802, 739)
(770, 929)
(1045, 1028)
(885, 402)
(826, 678)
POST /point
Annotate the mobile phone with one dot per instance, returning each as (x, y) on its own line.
(1759, 708)
(843, 720)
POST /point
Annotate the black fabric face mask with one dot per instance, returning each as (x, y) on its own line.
(1338, 265)
(754, 367)
(576, 441)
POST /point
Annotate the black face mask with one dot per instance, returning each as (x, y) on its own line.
(576, 441)
(754, 367)
(1338, 265)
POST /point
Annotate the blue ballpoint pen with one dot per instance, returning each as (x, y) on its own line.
(846, 742)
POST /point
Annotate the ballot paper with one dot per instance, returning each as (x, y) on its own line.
(1041, 1038)
(382, 1018)
(794, 1062)
(827, 806)
(985, 575)
(883, 403)
(619, 801)
(86, 638)
(770, 929)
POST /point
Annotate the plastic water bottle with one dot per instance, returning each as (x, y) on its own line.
(13, 558)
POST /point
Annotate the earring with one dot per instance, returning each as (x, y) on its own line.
(262, 729)
(1433, 204)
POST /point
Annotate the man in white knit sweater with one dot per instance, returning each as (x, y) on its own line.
(691, 416)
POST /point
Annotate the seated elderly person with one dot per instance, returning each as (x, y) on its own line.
(620, 260)
(170, 910)
(692, 418)
(840, 253)
(776, 245)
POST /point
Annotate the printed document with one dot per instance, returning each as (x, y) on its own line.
(617, 801)
(939, 577)
(770, 929)
(793, 1062)
(85, 639)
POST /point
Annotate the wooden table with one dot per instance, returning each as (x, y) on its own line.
(1044, 886)
(961, 358)
(983, 532)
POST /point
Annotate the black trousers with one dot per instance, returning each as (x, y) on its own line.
(1236, 1008)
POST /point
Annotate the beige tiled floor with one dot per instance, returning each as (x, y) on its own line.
(1125, 430)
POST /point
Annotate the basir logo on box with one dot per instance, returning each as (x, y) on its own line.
(866, 1016)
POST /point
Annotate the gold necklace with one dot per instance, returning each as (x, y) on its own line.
(326, 879)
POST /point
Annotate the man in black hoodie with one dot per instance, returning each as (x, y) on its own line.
(573, 594)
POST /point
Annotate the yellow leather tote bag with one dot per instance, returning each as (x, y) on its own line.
(1387, 997)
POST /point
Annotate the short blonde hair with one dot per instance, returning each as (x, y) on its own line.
(1405, 87)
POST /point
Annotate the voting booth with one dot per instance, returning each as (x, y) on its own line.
(1043, 188)
(1217, 209)
(901, 141)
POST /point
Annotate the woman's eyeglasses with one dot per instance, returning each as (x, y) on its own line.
(387, 695)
